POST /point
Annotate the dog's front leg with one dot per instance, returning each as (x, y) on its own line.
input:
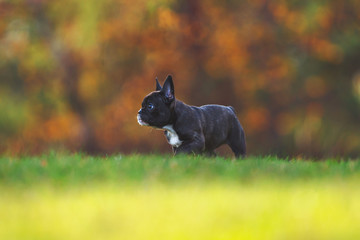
(195, 145)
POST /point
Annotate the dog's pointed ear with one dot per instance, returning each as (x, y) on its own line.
(168, 89)
(158, 86)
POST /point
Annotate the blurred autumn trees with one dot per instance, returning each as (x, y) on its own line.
(74, 73)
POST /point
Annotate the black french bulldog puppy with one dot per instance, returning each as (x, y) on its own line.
(190, 129)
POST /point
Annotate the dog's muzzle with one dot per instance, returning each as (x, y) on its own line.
(140, 121)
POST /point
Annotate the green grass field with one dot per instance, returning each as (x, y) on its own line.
(75, 196)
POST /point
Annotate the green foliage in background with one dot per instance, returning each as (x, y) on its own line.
(73, 74)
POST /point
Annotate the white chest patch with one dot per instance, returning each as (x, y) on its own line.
(172, 136)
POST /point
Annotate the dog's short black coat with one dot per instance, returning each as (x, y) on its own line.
(191, 129)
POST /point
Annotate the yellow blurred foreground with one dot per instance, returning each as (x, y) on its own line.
(320, 210)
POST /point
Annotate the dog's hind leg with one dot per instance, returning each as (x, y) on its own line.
(236, 140)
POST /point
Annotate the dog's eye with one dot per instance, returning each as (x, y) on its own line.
(150, 106)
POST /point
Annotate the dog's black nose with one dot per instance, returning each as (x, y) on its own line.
(139, 111)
